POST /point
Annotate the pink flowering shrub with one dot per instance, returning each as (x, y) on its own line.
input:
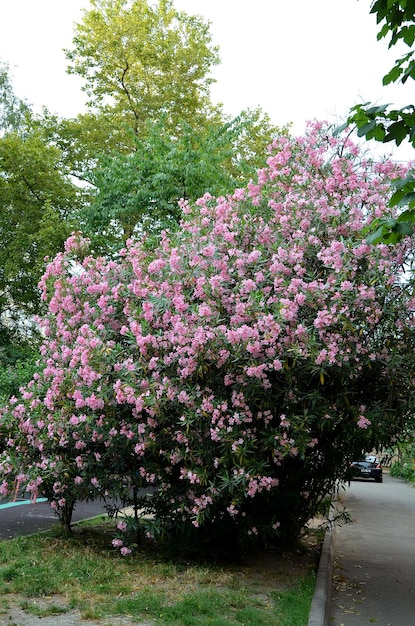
(232, 371)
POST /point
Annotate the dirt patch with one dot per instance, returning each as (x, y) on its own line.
(13, 615)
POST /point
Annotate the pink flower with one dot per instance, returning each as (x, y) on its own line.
(209, 250)
(363, 422)
(156, 266)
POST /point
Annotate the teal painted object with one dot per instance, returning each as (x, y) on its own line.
(7, 505)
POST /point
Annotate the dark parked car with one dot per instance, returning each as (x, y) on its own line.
(368, 467)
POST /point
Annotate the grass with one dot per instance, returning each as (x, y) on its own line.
(47, 574)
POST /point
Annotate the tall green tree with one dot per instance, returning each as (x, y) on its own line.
(140, 60)
(384, 123)
(36, 200)
(142, 189)
(151, 134)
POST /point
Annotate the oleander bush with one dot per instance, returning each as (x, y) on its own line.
(222, 379)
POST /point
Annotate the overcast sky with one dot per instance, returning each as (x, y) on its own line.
(297, 60)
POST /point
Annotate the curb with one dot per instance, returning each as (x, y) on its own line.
(321, 602)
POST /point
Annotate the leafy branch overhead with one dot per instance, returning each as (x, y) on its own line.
(385, 124)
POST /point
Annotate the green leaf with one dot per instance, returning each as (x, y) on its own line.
(377, 110)
(408, 35)
(366, 128)
(403, 228)
(409, 72)
(407, 216)
(379, 133)
(377, 236)
(339, 129)
(383, 32)
(378, 8)
(400, 199)
(397, 132)
(359, 107)
(369, 229)
(392, 76)
(400, 183)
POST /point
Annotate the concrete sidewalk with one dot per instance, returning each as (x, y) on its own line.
(374, 557)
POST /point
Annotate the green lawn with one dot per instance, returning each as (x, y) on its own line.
(47, 574)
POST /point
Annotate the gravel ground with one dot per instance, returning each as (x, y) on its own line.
(11, 614)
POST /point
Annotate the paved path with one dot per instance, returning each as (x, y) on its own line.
(374, 568)
(25, 519)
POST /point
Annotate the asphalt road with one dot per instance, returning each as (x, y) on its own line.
(26, 518)
(374, 569)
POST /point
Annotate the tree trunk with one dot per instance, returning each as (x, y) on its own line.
(65, 517)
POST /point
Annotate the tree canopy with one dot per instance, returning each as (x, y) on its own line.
(152, 135)
(37, 198)
(141, 60)
(142, 189)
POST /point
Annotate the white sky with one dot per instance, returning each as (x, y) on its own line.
(296, 59)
